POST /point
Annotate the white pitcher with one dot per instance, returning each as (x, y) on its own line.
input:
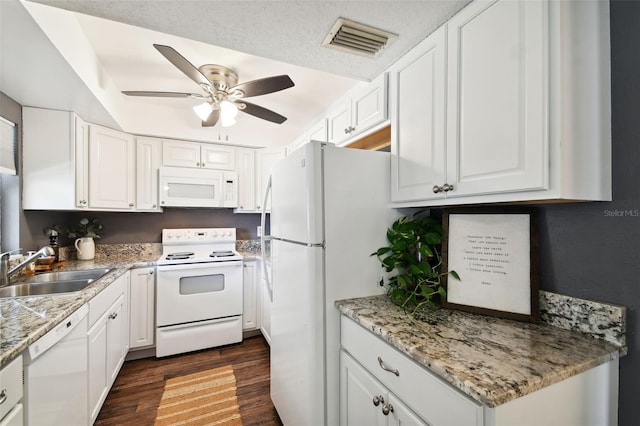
(86, 248)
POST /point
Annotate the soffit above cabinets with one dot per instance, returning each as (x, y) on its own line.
(256, 38)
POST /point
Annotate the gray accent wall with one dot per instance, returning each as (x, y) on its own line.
(592, 250)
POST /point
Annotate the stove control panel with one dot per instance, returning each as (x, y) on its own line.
(198, 235)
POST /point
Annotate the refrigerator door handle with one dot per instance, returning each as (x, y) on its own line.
(264, 238)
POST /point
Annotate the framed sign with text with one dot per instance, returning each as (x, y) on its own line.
(495, 253)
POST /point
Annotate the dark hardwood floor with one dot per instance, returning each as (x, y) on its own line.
(136, 393)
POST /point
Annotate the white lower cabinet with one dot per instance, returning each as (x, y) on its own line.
(142, 312)
(108, 340)
(11, 392)
(250, 300)
(376, 378)
(366, 401)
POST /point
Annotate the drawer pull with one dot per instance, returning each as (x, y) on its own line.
(113, 315)
(3, 396)
(385, 368)
(386, 409)
(377, 400)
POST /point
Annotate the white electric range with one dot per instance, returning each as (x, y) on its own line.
(198, 290)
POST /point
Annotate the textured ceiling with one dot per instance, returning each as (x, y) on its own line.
(287, 31)
(256, 38)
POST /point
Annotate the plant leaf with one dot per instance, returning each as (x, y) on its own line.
(455, 275)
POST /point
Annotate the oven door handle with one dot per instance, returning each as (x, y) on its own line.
(204, 265)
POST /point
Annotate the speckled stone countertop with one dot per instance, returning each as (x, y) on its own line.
(23, 320)
(492, 360)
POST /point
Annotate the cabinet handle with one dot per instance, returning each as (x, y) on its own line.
(258, 207)
(150, 272)
(446, 187)
(386, 409)
(202, 164)
(113, 315)
(198, 164)
(3, 396)
(130, 204)
(346, 131)
(436, 189)
(385, 368)
(153, 206)
(377, 400)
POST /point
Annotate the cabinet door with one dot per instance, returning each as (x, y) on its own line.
(401, 415)
(369, 107)
(418, 121)
(339, 123)
(217, 157)
(359, 394)
(246, 169)
(81, 162)
(115, 340)
(266, 158)
(497, 133)
(98, 381)
(148, 162)
(250, 297)
(142, 308)
(318, 132)
(111, 169)
(180, 153)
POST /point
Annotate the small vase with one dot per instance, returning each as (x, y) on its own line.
(86, 248)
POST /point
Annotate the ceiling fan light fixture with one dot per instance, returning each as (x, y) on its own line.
(203, 110)
(228, 110)
(227, 121)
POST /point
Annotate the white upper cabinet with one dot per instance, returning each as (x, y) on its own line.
(246, 169)
(358, 112)
(522, 113)
(148, 161)
(266, 157)
(112, 177)
(317, 132)
(497, 135)
(54, 160)
(417, 84)
(193, 154)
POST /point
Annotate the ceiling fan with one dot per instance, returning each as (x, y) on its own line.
(223, 96)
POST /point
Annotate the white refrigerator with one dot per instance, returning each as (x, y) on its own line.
(330, 209)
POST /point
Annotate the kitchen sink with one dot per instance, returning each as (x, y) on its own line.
(53, 283)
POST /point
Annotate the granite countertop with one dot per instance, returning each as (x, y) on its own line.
(492, 360)
(23, 320)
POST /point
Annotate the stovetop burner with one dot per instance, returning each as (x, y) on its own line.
(222, 253)
(180, 255)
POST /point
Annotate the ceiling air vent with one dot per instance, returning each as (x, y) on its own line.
(357, 38)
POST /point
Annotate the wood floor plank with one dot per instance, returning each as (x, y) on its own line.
(136, 393)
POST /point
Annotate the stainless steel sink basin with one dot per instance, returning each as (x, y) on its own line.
(49, 277)
(53, 283)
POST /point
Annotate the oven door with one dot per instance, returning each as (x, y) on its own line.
(197, 292)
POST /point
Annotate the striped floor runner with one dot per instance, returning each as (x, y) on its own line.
(204, 398)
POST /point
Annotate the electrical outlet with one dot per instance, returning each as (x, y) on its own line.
(259, 231)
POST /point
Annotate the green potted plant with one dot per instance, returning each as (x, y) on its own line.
(414, 254)
(83, 233)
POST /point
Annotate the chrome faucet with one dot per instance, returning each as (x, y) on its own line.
(6, 273)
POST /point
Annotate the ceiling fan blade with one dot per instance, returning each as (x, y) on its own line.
(182, 64)
(261, 112)
(158, 94)
(212, 119)
(265, 85)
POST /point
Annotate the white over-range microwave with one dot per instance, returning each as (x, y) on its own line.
(189, 187)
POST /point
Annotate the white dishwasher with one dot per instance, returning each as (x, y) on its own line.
(56, 374)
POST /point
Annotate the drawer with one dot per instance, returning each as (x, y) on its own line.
(11, 385)
(429, 396)
(103, 300)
